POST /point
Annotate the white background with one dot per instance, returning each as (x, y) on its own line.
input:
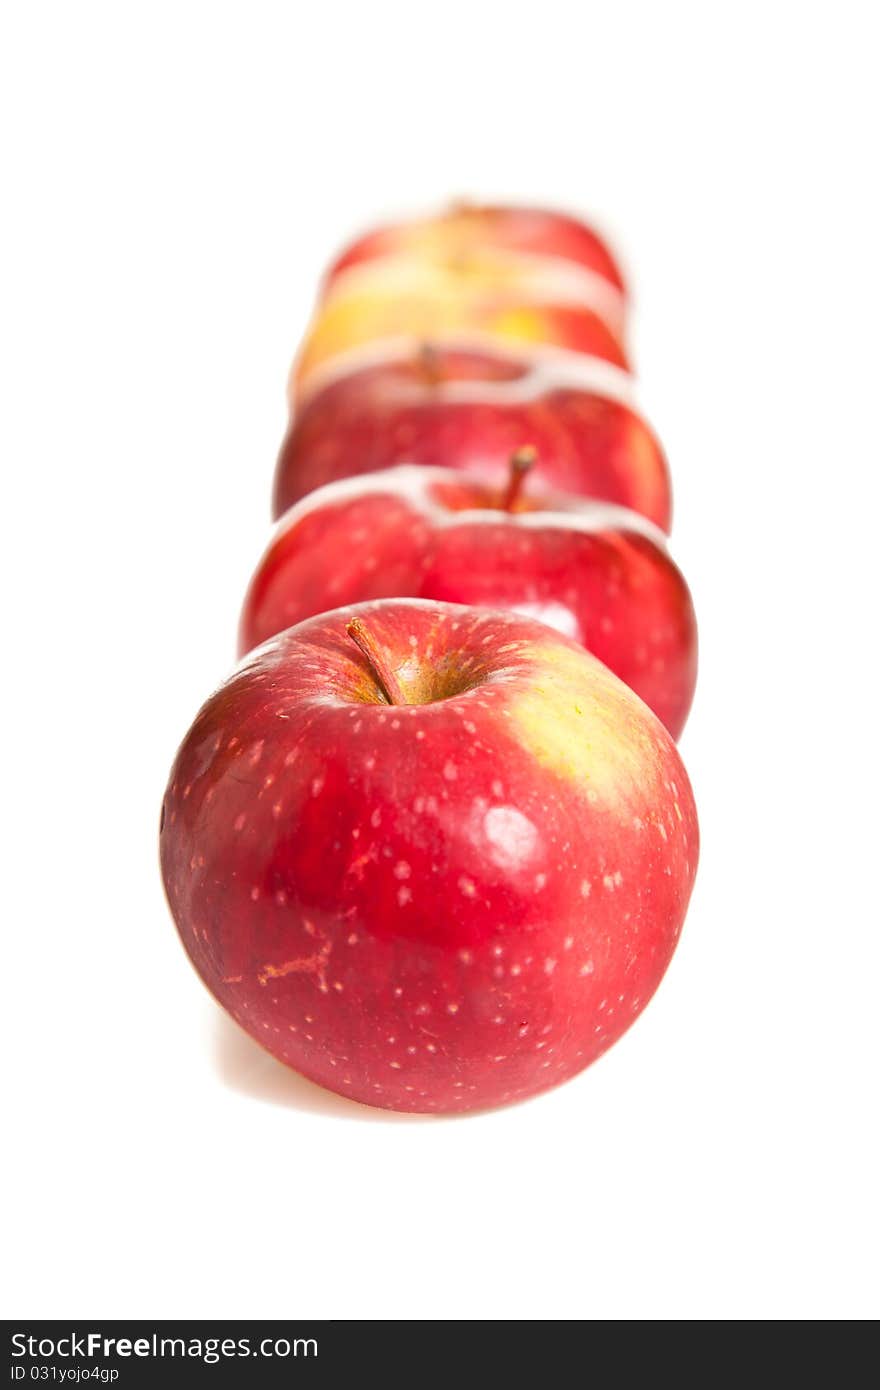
(175, 177)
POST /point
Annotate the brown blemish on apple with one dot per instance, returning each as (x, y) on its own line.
(315, 964)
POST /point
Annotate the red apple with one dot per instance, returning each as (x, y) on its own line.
(464, 408)
(595, 571)
(468, 228)
(498, 300)
(435, 858)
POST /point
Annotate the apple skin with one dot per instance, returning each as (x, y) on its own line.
(458, 407)
(498, 299)
(440, 905)
(466, 228)
(598, 573)
(357, 320)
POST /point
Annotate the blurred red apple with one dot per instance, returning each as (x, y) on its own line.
(458, 407)
(466, 229)
(435, 858)
(595, 571)
(497, 300)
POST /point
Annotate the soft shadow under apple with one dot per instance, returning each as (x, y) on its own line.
(244, 1066)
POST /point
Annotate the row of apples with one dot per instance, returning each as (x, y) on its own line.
(466, 905)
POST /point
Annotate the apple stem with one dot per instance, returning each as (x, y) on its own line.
(521, 460)
(429, 364)
(383, 672)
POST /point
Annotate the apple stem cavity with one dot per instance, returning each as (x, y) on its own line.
(377, 659)
(521, 460)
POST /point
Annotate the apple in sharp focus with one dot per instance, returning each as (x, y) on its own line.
(597, 572)
(435, 858)
(459, 407)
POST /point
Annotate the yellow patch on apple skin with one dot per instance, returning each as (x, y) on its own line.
(408, 298)
(582, 723)
(530, 325)
(349, 322)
